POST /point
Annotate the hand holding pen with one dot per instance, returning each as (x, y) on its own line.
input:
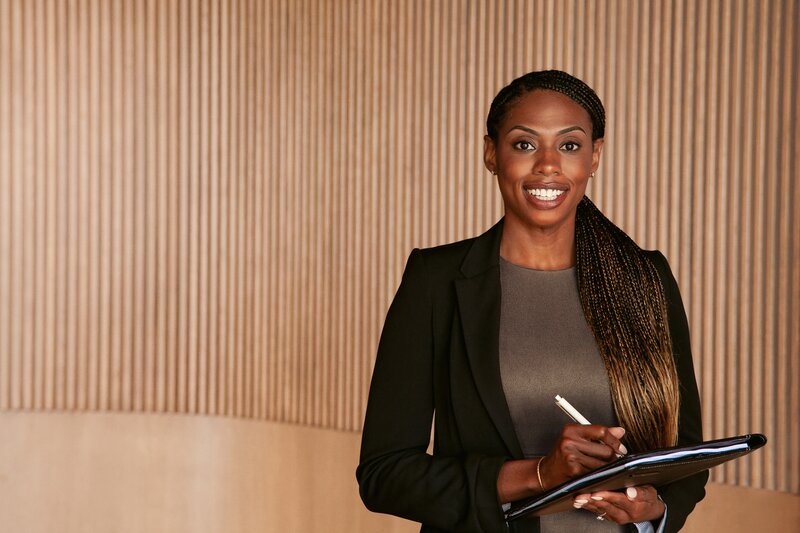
(580, 419)
(579, 449)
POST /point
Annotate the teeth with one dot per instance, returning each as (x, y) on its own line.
(545, 194)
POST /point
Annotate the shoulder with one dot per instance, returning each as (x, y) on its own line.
(675, 310)
(659, 261)
(461, 258)
(446, 255)
(437, 266)
(661, 265)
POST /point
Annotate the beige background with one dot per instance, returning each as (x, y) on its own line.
(205, 208)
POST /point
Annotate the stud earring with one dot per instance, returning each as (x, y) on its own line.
(591, 175)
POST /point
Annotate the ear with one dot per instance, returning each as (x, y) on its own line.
(597, 148)
(489, 154)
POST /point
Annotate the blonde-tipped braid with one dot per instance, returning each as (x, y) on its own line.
(624, 303)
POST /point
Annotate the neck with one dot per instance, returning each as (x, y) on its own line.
(539, 248)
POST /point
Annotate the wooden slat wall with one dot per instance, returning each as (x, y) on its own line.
(205, 206)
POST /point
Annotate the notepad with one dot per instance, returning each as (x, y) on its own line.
(657, 468)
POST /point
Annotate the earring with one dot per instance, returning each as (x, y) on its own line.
(591, 175)
(494, 173)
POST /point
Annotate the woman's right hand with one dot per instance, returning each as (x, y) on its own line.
(579, 450)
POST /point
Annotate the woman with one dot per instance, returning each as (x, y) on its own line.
(554, 299)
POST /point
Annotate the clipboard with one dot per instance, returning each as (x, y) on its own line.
(657, 468)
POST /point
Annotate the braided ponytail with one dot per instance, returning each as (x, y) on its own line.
(625, 306)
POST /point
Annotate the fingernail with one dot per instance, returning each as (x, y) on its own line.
(617, 432)
(581, 501)
(597, 498)
(577, 505)
(623, 450)
(631, 492)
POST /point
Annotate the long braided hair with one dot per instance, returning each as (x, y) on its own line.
(620, 291)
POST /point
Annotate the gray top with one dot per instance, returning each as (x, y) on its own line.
(547, 348)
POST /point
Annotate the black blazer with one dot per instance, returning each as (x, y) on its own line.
(438, 353)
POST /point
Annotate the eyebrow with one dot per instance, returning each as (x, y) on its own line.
(560, 132)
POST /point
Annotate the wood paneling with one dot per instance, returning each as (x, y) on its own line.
(205, 206)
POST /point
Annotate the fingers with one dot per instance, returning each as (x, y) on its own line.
(581, 449)
(611, 438)
(598, 450)
(569, 460)
(604, 507)
(597, 441)
(636, 504)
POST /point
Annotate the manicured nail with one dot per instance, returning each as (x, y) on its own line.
(577, 505)
(617, 432)
(631, 492)
(581, 501)
(597, 498)
(623, 450)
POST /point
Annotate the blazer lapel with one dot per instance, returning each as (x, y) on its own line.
(479, 306)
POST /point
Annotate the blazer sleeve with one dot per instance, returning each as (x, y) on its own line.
(396, 475)
(681, 496)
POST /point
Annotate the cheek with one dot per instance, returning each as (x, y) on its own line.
(581, 166)
(508, 159)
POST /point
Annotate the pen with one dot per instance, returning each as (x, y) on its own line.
(571, 411)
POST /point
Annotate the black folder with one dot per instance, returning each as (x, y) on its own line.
(657, 468)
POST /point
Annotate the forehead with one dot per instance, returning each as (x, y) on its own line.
(547, 109)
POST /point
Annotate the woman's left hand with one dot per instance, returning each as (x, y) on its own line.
(636, 504)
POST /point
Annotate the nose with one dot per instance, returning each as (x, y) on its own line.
(547, 163)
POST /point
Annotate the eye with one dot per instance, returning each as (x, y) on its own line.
(525, 146)
(570, 146)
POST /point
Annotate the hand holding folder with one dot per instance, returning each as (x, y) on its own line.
(656, 468)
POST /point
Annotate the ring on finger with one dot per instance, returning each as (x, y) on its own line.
(600, 516)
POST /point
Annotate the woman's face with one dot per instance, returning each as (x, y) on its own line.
(543, 158)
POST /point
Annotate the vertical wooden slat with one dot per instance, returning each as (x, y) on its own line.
(102, 208)
(211, 393)
(38, 205)
(6, 216)
(788, 43)
(91, 178)
(235, 211)
(26, 203)
(149, 344)
(271, 236)
(194, 201)
(67, 221)
(259, 346)
(206, 206)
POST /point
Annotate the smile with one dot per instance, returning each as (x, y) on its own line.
(545, 194)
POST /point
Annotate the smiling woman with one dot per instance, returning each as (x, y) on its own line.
(543, 156)
(554, 299)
